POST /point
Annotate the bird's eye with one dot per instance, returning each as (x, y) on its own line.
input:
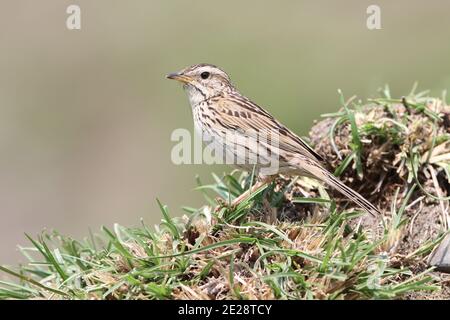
(204, 75)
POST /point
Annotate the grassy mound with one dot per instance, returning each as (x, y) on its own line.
(389, 147)
(289, 240)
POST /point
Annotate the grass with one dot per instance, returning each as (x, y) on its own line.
(318, 248)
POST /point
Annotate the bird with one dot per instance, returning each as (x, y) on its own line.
(220, 111)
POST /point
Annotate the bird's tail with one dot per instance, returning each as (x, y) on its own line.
(351, 194)
(322, 174)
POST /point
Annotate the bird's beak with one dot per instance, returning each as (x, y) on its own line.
(179, 77)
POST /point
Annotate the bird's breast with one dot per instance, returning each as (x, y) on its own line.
(198, 112)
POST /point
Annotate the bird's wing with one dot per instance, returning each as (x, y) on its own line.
(239, 113)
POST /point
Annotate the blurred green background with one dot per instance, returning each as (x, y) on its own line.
(86, 116)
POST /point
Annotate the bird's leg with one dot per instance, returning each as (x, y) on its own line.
(243, 196)
(262, 182)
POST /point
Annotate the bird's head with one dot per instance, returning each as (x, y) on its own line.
(202, 81)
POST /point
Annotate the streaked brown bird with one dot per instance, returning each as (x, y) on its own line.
(230, 118)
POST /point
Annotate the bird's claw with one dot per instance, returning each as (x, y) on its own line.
(221, 203)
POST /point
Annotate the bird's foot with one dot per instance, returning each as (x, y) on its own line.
(221, 203)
